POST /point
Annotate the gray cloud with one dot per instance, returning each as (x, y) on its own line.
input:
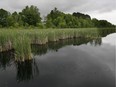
(69, 6)
(65, 5)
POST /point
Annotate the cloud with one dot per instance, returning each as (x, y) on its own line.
(64, 5)
(69, 6)
(110, 16)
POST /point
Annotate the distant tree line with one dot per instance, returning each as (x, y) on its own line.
(30, 17)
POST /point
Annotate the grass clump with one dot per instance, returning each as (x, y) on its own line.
(22, 48)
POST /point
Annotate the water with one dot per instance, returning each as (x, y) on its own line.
(70, 63)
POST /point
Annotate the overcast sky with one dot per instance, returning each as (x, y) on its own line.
(101, 9)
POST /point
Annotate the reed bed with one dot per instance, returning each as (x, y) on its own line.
(21, 39)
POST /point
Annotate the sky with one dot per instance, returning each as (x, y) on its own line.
(100, 9)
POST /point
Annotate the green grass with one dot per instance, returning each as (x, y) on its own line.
(21, 39)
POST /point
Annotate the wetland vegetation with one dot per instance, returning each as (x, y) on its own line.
(58, 49)
(21, 40)
(63, 57)
(20, 30)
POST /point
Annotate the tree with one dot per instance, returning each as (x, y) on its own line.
(10, 21)
(96, 22)
(18, 22)
(101, 23)
(80, 15)
(3, 17)
(30, 15)
(104, 23)
(55, 19)
(15, 16)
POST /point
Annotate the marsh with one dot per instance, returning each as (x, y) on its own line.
(68, 63)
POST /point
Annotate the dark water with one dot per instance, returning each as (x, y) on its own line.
(71, 63)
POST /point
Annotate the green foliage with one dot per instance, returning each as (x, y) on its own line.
(102, 23)
(18, 22)
(58, 19)
(3, 17)
(30, 17)
(10, 21)
(80, 15)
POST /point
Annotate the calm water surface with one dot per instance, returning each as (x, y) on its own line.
(82, 64)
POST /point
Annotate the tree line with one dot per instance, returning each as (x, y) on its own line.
(30, 17)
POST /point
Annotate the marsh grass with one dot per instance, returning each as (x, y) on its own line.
(21, 40)
(22, 48)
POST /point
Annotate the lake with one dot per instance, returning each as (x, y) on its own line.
(70, 63)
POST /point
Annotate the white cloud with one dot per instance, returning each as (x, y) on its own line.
(110, 16)
(110, 39)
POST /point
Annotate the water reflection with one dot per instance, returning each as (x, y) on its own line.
(38, 49)
(96, 42)
(55, 46)
(26, 70)
(6, 58)
(105, 32)
(111, 39)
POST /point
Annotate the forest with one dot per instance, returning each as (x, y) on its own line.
(30, 17)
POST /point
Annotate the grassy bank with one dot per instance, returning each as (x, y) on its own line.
(21, 40)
